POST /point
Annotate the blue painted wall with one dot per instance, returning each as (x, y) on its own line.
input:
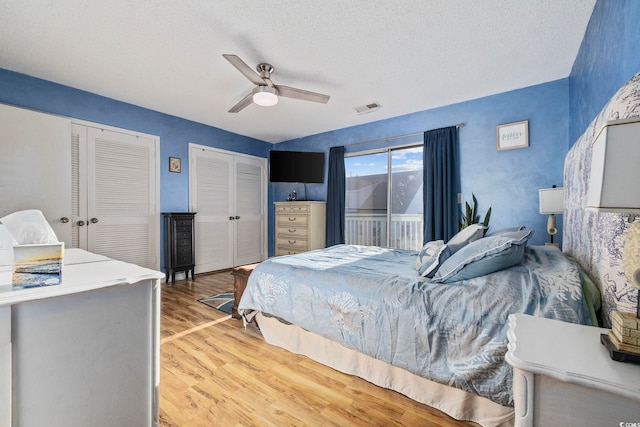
(175, 133)
(608, 57)
(508, 181)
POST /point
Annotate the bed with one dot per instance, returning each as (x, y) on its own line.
(431, 324)
(308, 303)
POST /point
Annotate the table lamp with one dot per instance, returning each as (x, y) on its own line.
(613, 187)
(551, 203)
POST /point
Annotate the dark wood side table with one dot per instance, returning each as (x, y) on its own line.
(240, 276)
(179, 244)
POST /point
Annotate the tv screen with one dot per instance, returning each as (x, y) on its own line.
(296, 166)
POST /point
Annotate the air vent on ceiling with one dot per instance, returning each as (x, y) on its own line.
(368, 108)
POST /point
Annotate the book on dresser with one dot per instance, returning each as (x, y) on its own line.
(300, 226)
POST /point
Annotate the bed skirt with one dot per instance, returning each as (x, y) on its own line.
(458, 404)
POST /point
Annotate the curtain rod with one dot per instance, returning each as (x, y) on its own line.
(391, 138)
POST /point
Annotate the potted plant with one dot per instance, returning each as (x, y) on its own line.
(471, 216)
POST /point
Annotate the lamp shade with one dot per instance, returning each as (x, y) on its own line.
(551, 200)
(614, 185)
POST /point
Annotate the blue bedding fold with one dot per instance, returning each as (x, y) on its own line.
(372, 300)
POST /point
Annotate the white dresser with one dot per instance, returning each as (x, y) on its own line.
(300, 227)
(563, 376)
(82, 353)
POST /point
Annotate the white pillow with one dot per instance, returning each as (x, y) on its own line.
(468, 234)
(427, 251)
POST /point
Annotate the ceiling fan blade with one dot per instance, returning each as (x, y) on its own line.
(305, 95)
(244, 69)
(244, 102)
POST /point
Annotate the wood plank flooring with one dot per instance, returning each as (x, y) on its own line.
(214, 372)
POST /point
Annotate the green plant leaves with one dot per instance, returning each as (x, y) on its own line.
(470, 216)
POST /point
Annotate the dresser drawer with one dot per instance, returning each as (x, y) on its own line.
(291, 243)
(183, 250)
(292, 209)
(184, 229)
(184, 223)
(291, 219)
(183, 234)
(182, 260)
(287, 251)
(183, 242)
(293, 230)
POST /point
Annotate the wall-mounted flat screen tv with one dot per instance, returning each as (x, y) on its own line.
(296, 166)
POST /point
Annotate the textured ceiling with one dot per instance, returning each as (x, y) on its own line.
(408, 55)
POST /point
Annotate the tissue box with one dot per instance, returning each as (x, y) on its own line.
(37, 265)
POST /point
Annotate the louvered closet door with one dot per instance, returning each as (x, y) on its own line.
(121, 188)
(78, 185)
(212, 196)
(114, 195)
(250, 207)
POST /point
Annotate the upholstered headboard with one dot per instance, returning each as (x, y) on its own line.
(597, 240)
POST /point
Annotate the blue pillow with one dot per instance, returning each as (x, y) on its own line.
(505, 231)
(431, 262)
(484, 256)
(433, 254)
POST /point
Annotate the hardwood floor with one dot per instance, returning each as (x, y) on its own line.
(213, 372)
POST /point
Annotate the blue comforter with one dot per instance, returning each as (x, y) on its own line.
(372, 300)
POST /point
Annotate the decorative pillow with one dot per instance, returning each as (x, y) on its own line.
(505, 230)
(468, 234)
(427, 251)
(484, 256)
(431, 262)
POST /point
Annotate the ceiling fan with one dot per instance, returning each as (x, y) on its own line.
(266, 93)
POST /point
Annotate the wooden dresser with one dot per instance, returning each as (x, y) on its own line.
(179, 245)
(300, 227)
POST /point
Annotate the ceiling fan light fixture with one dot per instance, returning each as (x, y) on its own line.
(265, 96)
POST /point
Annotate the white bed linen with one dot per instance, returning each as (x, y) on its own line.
(454, 402)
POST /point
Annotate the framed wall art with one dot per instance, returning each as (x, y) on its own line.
(511, 136)
(174, 164)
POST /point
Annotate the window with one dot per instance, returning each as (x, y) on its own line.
(383, 205)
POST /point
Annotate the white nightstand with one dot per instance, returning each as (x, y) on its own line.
(563, 376)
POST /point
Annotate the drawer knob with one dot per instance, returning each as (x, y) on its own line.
(292, 219)
(292, 242)
(292, 231)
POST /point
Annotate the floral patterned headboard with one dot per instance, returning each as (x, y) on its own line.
(597, 240)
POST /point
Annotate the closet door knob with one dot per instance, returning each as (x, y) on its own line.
(80, 223)
(237, 217)
(64, 220)
(94, 220)
(231, 218)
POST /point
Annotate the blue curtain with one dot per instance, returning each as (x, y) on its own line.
(441, 184)
(335, 197)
